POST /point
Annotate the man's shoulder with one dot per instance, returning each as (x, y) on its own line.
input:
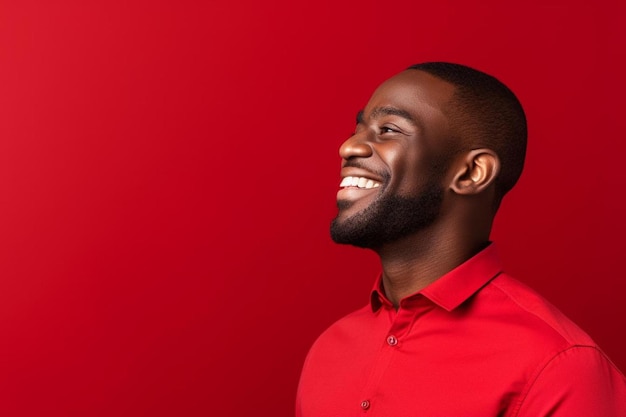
(537, 313)
(567, 371)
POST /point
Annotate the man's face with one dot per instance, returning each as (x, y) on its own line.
(394, 166)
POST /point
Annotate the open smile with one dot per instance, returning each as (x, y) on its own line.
(353, 188)
(359, 182)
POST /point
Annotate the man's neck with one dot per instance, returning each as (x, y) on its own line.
(412, 264)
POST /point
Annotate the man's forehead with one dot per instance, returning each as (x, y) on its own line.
(416, 95)
(413, 87)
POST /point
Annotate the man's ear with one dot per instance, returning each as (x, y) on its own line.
(476, 171)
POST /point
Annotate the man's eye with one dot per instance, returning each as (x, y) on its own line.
(387, 129)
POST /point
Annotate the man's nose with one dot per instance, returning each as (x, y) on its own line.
(356, 145)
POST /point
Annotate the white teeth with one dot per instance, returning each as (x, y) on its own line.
(360, 182)
(346, 182)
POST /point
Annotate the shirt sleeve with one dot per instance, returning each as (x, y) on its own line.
(580, 381)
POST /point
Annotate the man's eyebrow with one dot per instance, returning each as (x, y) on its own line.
(385, 111)
(393, 111)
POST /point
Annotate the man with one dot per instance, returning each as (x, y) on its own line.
(447, 333)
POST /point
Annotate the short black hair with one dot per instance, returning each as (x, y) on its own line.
(485, 113)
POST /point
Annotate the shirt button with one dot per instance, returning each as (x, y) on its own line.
(392, 341)
(365, 404)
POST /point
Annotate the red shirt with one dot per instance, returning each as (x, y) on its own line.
(475, 342)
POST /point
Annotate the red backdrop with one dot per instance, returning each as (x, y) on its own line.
(168, 172)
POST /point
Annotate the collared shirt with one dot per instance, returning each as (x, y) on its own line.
(475, 342)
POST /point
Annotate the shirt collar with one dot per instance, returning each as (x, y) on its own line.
(456, 286)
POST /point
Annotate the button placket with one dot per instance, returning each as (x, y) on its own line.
(399, 321)
(400, 325)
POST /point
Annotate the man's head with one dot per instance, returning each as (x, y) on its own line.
(434, 137)
(484, 113)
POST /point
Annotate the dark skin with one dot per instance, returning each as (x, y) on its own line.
(404, 132)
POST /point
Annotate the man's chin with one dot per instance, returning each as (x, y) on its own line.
(344, 232)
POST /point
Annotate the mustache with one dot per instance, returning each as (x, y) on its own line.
(352, 163)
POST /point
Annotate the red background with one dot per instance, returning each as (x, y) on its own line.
(168, 173)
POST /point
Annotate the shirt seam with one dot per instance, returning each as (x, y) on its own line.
(540, 369)
(510, 297)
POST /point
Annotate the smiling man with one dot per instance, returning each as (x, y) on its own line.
(446, 332)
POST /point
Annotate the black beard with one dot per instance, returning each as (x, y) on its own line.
(388, 219)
